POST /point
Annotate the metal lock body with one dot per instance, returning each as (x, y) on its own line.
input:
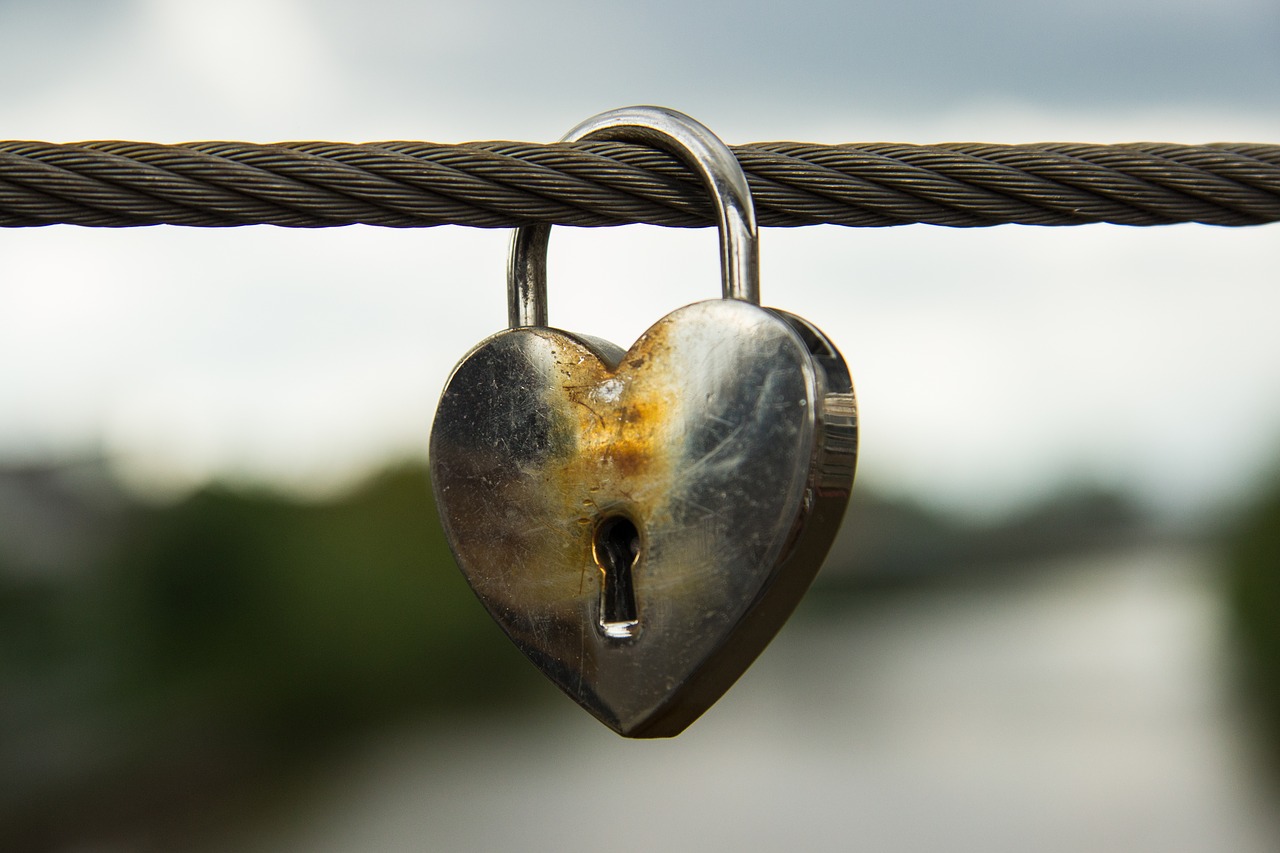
(642, 522)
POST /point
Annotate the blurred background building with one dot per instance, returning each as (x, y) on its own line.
(228, 620)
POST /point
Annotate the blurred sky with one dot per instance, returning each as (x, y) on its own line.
(991, 364)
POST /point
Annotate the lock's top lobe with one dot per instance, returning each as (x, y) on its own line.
(701, 150)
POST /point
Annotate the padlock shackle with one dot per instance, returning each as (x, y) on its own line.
(700, 149)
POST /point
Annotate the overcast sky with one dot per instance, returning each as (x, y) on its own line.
(991, 364)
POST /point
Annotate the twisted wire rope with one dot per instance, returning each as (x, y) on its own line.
(507, 184)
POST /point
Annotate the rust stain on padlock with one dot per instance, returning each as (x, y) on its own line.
(626, 442)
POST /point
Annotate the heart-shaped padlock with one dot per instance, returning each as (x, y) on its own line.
(641, 523)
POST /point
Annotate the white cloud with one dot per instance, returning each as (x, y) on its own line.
(239, 54)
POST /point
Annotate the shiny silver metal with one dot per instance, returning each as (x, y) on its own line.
(701, 150)
(641, 523)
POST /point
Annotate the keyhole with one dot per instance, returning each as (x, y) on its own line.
(616, 547)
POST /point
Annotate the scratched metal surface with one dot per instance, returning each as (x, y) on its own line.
(707, 435)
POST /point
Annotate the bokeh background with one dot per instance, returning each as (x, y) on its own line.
(228, 620)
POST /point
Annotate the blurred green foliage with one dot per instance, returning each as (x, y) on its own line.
(1254, 589)
(227, 639)
(309, 619)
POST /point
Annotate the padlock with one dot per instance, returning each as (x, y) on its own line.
(641, 523)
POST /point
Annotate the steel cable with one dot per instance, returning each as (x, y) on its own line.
(507, 184)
